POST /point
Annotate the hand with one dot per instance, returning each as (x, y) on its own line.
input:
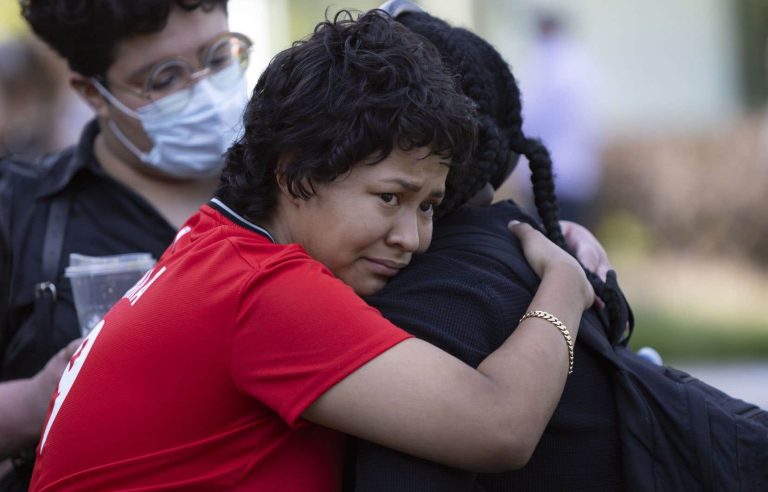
(24, 403)
(587, 248)
(543, 255)
(47, 380)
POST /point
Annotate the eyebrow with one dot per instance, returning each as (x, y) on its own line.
(414, 187)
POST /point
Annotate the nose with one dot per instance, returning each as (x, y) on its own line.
(407, 232)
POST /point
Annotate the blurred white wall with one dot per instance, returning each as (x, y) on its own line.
(664, 64)
(260, 20)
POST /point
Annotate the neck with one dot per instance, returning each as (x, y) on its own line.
(482, 198)
(174, 200)
(278, 223)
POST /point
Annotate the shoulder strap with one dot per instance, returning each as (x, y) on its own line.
(45, 291)
(5, 260)
(54, 235)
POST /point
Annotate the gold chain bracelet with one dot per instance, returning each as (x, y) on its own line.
(560, 326)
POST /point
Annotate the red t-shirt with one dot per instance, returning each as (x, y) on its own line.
(197, 378)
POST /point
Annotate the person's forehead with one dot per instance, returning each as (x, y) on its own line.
(417, 166)
(184, 35)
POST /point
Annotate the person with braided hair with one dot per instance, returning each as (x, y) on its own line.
(458, 298)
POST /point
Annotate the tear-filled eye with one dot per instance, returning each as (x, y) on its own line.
(388, 198)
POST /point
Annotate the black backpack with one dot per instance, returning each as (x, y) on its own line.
(677, 433)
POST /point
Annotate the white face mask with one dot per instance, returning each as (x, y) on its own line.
(187, 143)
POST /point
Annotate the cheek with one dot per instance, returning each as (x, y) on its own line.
(361, 224)
(132, 129)
(357, 236)
(341, 231)
(334, 242)
(425, 236)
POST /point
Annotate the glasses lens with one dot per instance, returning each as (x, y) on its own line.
(169, 84)
(228, 59)
(169, 78)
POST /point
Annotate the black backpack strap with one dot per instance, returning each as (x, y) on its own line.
(625, 324)
(5, 261)
(45, 291)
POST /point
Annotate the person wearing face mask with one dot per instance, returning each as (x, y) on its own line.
(166, 82)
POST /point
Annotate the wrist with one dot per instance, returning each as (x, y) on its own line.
(39, 390)
(569, 277)
(28, 398)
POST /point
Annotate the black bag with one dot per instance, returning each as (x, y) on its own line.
(677, 433)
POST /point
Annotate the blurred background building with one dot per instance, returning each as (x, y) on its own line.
(679, 104)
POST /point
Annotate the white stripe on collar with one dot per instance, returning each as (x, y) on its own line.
(242, 219)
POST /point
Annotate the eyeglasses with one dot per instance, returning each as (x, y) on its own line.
(224, 63)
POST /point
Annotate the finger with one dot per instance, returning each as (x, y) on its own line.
(602, 271)
(68, 351)
(586, 248)
(519, 227)
(589, 258)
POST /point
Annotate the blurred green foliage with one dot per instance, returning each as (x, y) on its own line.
(678, 337)
(621, 230)
(753, 34)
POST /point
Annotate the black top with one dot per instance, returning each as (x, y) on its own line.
(468, 304)
(105, 218)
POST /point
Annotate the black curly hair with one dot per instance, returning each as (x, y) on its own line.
(350, 93)
(87, 32)
(486, 78)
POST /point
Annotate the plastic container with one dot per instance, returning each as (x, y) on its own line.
(98, 282)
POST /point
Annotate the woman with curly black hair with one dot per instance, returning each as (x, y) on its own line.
(237, 362)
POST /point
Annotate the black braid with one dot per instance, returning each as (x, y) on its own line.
(543, 182)
(492, 150)
(486, 78)
(546, 205)
(545, 198)
(463, 184)
(537, 154)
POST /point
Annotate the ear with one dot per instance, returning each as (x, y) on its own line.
(283, 161)
(84, 87)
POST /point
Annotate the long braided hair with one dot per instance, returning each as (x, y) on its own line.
(486, 78)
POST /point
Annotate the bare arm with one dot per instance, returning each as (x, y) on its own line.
(420, 400)
(24, 403)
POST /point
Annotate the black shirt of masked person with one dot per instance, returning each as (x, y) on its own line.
(166, 81)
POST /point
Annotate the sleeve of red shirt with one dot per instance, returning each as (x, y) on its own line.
(299, 331)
